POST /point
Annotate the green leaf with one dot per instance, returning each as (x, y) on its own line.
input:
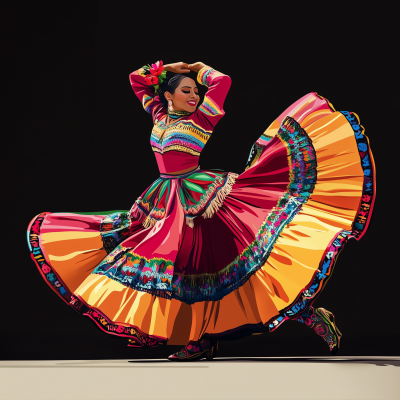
(153, 187)
(193, 186)
(183, 199)
(188, 195)
(163, 187)
(200, 176)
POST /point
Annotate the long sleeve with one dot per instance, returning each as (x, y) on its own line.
(150, 102)
(211, 110)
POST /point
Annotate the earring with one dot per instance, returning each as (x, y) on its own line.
(170, 108)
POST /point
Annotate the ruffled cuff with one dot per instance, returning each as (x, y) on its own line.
(203, 76)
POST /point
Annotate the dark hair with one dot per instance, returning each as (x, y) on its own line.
(169, 85)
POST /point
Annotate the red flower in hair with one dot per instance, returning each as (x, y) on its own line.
(157, 68)
(151, 80)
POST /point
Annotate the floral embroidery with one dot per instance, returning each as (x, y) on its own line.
(132, 270)
(367, 200)
(46, 270)
(156, 275)
(303, 162)
(136, 337)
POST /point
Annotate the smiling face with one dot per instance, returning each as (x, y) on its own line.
(186, 96)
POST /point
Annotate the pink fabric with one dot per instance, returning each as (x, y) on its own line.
(164, 238)
(266, 180)
(214, 243)
(61, 222)
(303, 107)
(175, 161)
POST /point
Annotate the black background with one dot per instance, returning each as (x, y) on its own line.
(77, 139)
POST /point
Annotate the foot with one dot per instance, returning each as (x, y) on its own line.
(196, 351)
(323, 323)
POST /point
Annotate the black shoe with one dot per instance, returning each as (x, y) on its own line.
(196, 351)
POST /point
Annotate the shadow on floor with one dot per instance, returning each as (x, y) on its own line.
(372, 361)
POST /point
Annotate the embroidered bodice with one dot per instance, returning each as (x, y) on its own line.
(184, 135)
(190, 134)
(177, 148)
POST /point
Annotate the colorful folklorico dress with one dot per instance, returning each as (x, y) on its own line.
(210, 252)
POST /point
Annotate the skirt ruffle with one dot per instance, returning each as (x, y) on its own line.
(261, 259)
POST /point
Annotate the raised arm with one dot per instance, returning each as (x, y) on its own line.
(151, 103)
(211, 110)
(141, 82)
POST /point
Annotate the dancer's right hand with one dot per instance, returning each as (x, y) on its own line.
(178, 68)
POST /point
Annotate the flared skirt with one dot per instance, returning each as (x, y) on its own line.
(262, 257)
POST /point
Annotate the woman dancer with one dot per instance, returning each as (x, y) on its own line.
(205, 255)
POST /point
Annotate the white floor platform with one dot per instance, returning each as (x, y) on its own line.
(319, 378)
